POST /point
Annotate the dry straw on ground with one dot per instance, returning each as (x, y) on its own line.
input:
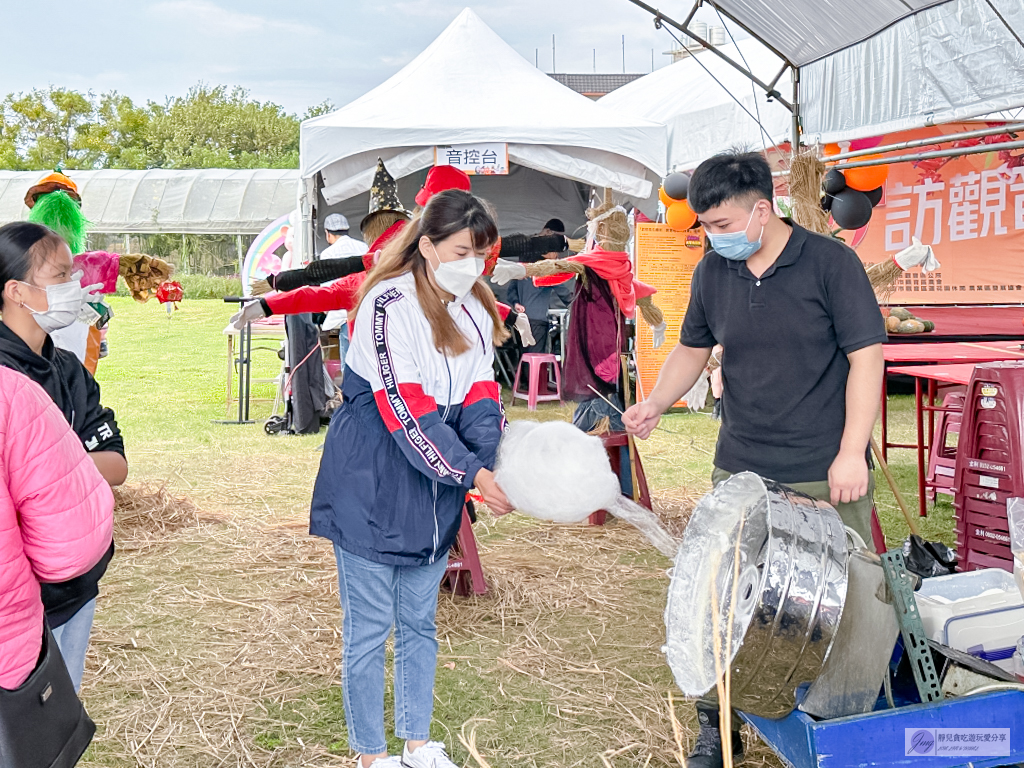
(215, 632)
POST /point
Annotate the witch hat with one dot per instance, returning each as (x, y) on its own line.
(383, 194)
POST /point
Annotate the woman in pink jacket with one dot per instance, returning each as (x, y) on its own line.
(56, 516)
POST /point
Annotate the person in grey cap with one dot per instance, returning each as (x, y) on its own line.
(340, 246)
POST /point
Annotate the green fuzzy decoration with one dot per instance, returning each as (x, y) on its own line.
(59, 211)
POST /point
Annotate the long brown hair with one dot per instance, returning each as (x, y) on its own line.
(446, 214)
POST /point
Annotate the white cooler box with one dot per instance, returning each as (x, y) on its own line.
(980, 612)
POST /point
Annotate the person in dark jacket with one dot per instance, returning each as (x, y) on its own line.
(535, 300)
(39, 295)
(418, 427)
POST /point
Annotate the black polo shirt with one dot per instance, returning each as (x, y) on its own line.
(786, 337)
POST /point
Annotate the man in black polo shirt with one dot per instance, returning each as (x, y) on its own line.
(802, 367)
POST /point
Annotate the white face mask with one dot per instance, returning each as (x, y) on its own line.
(65, 302)
(457, 277)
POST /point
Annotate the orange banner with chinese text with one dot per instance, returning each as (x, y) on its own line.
(970, 209)
(665, 259)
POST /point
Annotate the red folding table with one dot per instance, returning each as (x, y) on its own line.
(939, 353)
(950, 375)
(967, 323)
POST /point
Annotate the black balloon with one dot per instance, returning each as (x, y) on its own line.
(834, 182)
(875, 196)
(677, 185)
(851, 209)
(826, 203)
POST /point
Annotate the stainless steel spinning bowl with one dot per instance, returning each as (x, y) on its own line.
(789, 597)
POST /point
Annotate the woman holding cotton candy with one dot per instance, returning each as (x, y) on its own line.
(40, 295)
(419, 426)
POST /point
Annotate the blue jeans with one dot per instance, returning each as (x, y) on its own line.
(343, 343)
(377, 598)
(73, 640)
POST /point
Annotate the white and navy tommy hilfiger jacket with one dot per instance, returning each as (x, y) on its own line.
(413, 430)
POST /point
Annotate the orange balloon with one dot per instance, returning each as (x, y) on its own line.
(866, 179)
(831, 149)
(680, 216)
(663, 196)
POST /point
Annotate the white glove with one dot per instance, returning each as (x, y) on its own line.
(525, 333)
(249, 313)
(698, 394)
(917, 255)
(505, 270)
(659, 333)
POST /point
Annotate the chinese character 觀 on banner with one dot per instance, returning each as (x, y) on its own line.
(483, 159)
(969, 208)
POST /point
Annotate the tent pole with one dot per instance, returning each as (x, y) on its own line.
(929, 141)
(954, 152)
(795, 138)
(1009, 29)
(660, 19)
(915, 157)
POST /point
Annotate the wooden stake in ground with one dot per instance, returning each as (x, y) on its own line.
(895, 489)
(624, 362)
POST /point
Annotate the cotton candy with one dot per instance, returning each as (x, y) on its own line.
(554, 471)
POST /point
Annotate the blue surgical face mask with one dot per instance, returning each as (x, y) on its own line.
(735, 246)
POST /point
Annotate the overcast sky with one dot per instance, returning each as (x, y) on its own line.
(336, 49)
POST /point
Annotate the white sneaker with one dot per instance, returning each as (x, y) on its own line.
(391, 761)
(430, 755)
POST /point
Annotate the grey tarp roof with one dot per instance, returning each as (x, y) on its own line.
(876, 66)
(208, 201)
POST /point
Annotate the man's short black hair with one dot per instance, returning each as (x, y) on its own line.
(555, 225)
(740, 176)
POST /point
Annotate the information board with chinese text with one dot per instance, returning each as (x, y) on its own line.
(665, 259)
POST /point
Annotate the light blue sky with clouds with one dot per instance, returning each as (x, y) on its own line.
(298, 53)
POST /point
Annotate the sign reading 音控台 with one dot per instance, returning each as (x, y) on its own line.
(482, 159)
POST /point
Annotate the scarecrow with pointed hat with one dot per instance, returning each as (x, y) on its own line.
(387, 217)
(300, 289)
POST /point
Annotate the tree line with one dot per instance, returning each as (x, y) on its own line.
(209, 127)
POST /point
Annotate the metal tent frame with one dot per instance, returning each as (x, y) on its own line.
(799, 43)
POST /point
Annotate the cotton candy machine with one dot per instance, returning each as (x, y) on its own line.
(791, 582)
(789, 594)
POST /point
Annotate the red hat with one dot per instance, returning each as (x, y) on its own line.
(441, 178)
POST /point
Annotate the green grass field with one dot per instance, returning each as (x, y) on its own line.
(217, 640)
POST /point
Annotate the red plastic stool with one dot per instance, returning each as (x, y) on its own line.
(942, 457)
(464, 573)
(613, 443)
(536, 363)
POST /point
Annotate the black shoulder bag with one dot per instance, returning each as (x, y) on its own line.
(42, 723)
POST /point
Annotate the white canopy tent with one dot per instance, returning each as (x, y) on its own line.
(470, 86)
(202, 202)
(879, 66)
(696, 98)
